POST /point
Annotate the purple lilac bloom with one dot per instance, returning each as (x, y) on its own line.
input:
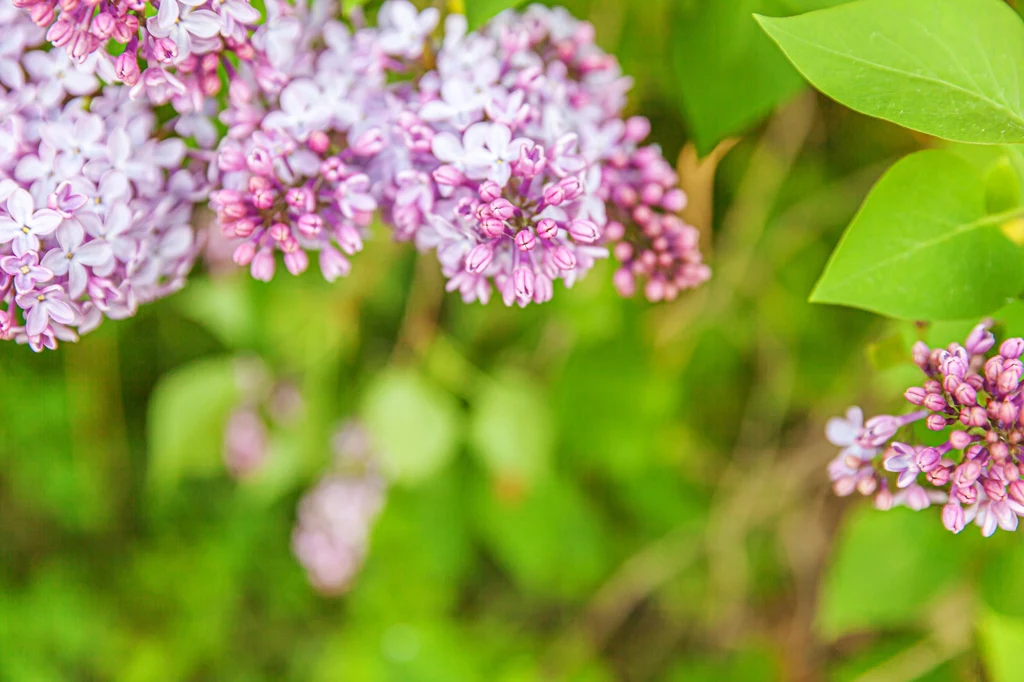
(96, 203)
(975, 400)
(183, 44)
(332, 533)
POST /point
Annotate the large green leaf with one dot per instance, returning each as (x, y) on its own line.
(922, 246)
(889, 566)
(949, 68)
(415, 424)
(187, 414)
(728, 74)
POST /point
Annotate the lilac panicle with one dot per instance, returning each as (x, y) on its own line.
(96, 199)
(974, 398)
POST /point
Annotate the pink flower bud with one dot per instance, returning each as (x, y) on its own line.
(674, 200)
(102, 25)
(502, 209)
(624, 282)
(479, 257)
(450, 176)
(953, 517)
(554, 195)
(310, 224)
(967, 473)
(1012, 348)
(614, 231)
(543, 289)
(884, 500)
(637, 128)
(318, 142)
(563, 258)
(263, 265)
(935, 422)
(523, 281)
(547, 228)
(965, 395)
(260, 163)
(333, 265)
(349, 239)
(489, 191)
(368, 144)
(980, 340)
(916, 395)
(127, 69)
(296, 261)
(1016, 491)
(584, 231)
(525, 240)
(244, 253)
(960, 439)
(622, 251)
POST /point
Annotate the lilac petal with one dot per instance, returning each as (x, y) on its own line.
(906, 478)
(78, 278)
(45, 221)
(19, 206)
(202, 23)
(60, 311)
(447, 148)
(70, 235)
(841, 432)
(36, 320)
(56, 261)
(8, 230)
(475, 137)
(498, 137)
(899, 462)
(94, 254)
(166, 17)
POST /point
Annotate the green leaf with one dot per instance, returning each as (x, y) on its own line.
(877, 578)
(727, 73)
(415, 424)
(479, 12)
(922, 247)
(511, 427)
(949, 68)
(187, 414)
(1001, 638)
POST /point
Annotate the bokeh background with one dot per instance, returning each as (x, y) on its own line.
(592, 489)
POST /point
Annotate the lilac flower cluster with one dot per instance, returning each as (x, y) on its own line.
(332, 534)
(181, 44)
(975, 400)
(95, 201)
(502, 150)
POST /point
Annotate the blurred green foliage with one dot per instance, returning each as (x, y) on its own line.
(589, 490)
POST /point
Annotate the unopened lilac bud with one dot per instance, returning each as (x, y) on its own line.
(502, 209)
(296, 261)
(950, 382)
(965, 395)
(1000, 451)
(967, 495)
(953, 517)
(637, 128)
(260, 163)
(935, 402)
(922, 354)
(489, 191)
(1008, 382)
(935, 422)
(262, 266)
(1008, 413)
(572, 187)
(479, 257)
(554, 194)
(1016, 491)
(967, 473)
(878, 430)
(543, 288)
(939, 476)
(310, 224)
(333, 265)
(614, 231)
(674, 200)
(492, 227)
(244, 253)
(369, 143)
(450, 176)
(844, 485)
(884, 499)
(994, 489)
(978, 417)
(127, 68)
(522, 281)
(318, 142)
(584, 231)
(960, 439)
(525, 240)
(867, 486)
(349, 239)
(103, 25)
(624, 282)
(654, 290)
(916, 395)
(928, 459)
(917, 498)
(563, 258)
(980, 340)
(547, 228)
(1012, 348)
